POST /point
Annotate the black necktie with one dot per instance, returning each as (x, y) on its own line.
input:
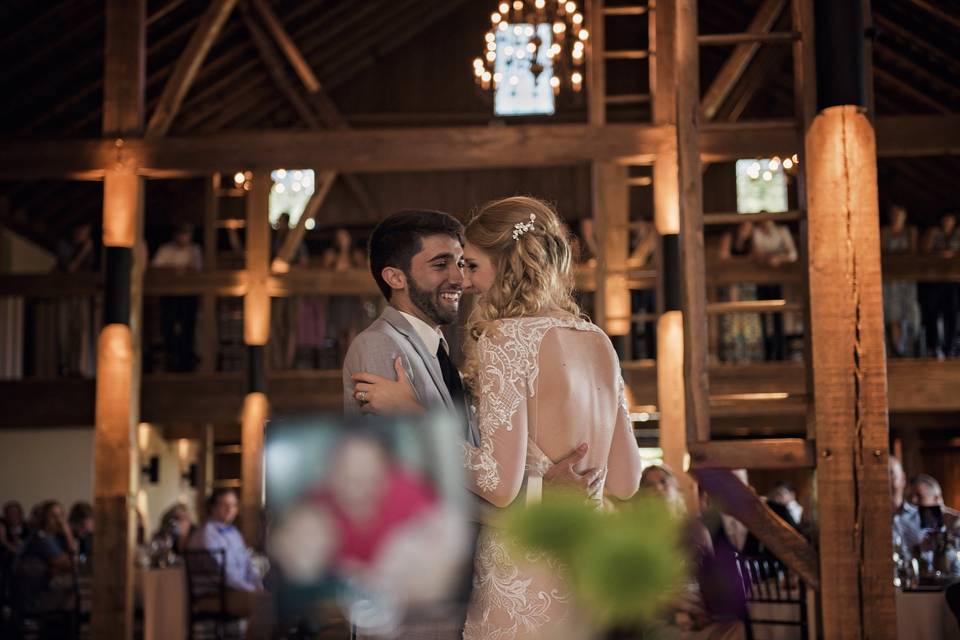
(451, 376)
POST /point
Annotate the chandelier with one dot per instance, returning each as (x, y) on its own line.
(542, 40)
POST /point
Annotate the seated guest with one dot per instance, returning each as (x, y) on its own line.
(218, 532)
(43, 571)
(15, 529)
(938, 523)
(81, 526)
(176, 528)
(708, 607)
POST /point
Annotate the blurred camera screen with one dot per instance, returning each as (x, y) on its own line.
(367, 517)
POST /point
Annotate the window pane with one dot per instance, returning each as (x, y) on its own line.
(519, 90)
(761, 186)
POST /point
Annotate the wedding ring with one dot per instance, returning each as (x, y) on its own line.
(362, 397)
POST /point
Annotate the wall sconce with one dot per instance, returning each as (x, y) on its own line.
(191, 475)
(152, 470)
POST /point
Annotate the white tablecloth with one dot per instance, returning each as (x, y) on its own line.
(164, 603)
(924, 615)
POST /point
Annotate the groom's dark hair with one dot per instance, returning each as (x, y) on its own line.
(397, 239)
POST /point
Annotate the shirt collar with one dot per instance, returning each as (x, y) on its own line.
(432, 337)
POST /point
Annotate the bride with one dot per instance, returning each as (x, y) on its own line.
(543, 379)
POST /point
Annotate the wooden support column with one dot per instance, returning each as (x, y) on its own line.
(611, 210)
(666, 211)
(694, 298)
(256, 332)
(849, 362)
(611, 199)
(116, 470)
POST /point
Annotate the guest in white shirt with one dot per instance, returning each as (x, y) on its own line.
(179, 313)
(772, 245)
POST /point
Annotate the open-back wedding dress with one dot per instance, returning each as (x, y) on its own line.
(545, 385)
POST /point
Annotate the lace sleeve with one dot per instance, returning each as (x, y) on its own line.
(624, 467)
(495, 468)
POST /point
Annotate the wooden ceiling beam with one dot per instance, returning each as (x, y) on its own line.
(241, 79)
(938, 13)
(430, 148)
(916, 71)
(188, 65)
(286, 44)
(911, 39)
(738, 62)
(904, 87)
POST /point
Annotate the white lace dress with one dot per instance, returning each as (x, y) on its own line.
(545, 385)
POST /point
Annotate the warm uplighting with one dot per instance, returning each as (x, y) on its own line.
(121, 204)
(544, 49)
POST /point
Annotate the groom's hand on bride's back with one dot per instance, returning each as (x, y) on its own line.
(563, 475)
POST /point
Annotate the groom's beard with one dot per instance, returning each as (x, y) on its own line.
(429, 303)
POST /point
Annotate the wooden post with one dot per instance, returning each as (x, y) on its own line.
(117, 411)
(666, 211)
(256, 332)
(611, 210)
(849, 361)
(694, 299)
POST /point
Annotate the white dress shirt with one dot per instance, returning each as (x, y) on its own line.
(432, 336)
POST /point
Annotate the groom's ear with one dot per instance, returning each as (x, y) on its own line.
(395, 278)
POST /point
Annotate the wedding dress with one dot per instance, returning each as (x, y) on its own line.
(545, 384)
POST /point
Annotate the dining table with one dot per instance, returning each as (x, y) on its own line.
(923, 614)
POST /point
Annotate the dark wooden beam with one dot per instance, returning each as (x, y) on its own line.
(188, 65)
(740, 501)
(778, 453)
(438, 148)
(289, 48)
(735, 66)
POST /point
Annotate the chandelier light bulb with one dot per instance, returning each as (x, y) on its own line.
(532, 48)
(514, 80)
(555, 82)
(787, 163)
(491, 56)
(504, 7)
(571, 7)
(502, 26)
(576, 77)
(540, 4)
(559, 27)
(584, 34)
(577, 18)
(238, 178)
(490, 37)
(495, 17)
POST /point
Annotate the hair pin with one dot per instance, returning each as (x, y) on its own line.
(522, 227)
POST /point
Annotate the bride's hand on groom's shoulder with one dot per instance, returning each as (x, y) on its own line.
(563, 476)
(378, 395)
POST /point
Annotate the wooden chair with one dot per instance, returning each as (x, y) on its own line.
(207, 592)
(767, 581)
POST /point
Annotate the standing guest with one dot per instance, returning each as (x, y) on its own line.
(42, 574)
(347, 315)
(773, 245)
(899, 296)
(81, 526)
(179, 313)
(75, 313)
(938, 300)
(218, 532)
(741, 337)
(14, 526)
(284, 309)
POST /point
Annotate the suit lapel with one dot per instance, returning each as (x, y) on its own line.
(393, 317)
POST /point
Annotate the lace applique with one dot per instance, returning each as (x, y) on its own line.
(514, 602)
(509, 365)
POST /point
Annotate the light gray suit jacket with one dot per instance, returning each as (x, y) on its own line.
(374, 351)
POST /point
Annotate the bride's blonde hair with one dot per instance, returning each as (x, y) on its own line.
(533, 261)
